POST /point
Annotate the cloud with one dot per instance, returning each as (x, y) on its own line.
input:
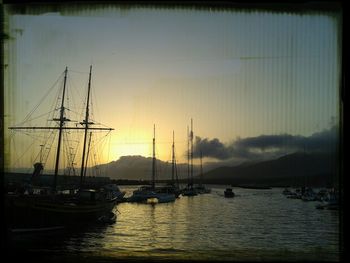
(211, 148)
(267, 146)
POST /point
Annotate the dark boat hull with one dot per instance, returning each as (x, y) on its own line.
(31, 212)
(228, 193)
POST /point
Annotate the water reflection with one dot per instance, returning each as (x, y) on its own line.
(254, 225)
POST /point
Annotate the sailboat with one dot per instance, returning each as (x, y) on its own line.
(151, 193)
(173, 186)
(190, 190)
(201, 189)
(55, 208)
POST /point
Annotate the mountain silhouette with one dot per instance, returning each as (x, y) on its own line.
(137, 167)
(293, 169)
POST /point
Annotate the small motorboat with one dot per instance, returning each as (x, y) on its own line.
(229, 193)
(331, 202)
(286, 191)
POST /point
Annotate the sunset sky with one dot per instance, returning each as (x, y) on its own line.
(241, 76)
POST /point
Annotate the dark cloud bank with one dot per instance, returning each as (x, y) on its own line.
(267, 146)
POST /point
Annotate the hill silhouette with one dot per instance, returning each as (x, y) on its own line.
(293, 169)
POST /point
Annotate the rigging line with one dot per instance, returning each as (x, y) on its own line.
(91, 113)
(30, 146)
(99, 140)
(73, 111)
(97, 123)
(109, 147)
(89, 170)
(97, 169)
(46, 153)
(14, 148)
(48, 149)
(47, 93)
(94, 105)
(38, 116)
(51, 116)
(88, 153)
(74, 93)
(97, 152)
(103, 137)
(65, 149)
(94, 167)
(44, 142)
(93, 148)
(50, 143)
(96, 160)
(27, 133)
(32, 135)
(84, 100)
(66, 109)
(73, 156)
(56, 103)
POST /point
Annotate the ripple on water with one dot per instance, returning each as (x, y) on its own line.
(254, 225)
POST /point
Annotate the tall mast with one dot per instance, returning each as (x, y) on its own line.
(191, 137)
(154, 158)
(177, 178)
(173, 162)
(188, 156)
(86, 123)
(201, 177)
(87, 155)
(62, 119)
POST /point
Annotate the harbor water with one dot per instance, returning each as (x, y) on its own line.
(255, 225)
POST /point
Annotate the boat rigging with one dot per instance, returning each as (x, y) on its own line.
(62, 119)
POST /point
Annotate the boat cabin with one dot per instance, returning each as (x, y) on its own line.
(87, 195)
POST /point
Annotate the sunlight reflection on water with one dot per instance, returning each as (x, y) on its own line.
(254, 225)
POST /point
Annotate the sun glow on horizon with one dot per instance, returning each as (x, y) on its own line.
(128, 149)
(130, 142)
(244, 75)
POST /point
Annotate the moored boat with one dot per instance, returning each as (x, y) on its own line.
(330, 202)
(147, 192)
(52, 208)
(201, 188)
(229, 193)
(114, 191)
(142, 194)
(287, 191)
(189, 190)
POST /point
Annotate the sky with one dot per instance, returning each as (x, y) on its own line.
(252, 82)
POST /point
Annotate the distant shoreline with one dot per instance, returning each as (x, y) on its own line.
(46, 179)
